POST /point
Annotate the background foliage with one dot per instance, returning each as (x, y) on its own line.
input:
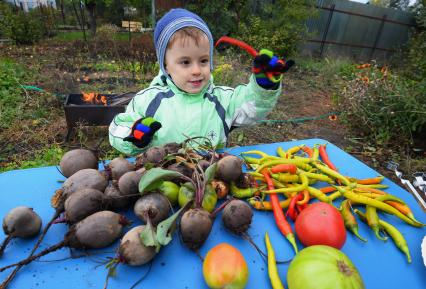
(20, 27)
(279, 26)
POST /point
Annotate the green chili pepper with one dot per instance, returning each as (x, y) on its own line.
(241, 193)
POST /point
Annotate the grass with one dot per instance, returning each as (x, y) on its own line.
(11, 92)
(49, 156)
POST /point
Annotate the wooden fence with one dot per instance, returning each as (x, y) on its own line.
(359, 31)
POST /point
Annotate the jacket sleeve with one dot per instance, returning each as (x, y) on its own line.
(249, 103)
(122, 123)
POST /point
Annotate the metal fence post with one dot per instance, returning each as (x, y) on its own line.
(327, 26)
(379, 33)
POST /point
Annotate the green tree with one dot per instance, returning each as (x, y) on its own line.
(222, 17)
(397, 4)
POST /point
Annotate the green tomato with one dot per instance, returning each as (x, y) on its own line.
(209, 199)
(186, 194)
(323, 267)
(170, 190)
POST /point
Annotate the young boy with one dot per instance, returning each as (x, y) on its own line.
(182, 100)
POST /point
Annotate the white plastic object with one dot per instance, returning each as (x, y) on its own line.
(424, 250)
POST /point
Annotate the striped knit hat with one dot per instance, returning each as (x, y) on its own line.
(171, 22)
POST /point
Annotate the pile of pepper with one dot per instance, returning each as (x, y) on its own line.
(292, 173)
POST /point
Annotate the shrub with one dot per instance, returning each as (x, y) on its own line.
(384, 106)
(415, 64)
(21, 27)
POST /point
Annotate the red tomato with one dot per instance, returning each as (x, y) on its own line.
(321, 224)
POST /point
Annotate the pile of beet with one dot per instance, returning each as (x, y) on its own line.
(92, 202)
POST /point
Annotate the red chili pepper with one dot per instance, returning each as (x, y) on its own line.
(253, 52)
(284, 168)
(300, 208)
(280, 219)
(308, 150)
(324, 157)
(291, 212)
(293, 208)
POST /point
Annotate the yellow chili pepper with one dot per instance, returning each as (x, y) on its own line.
(302, 162)
(374, 186)
(320, 177)
(260, 205)
(396, 236)
(297, 188)
(256, 152)
(306, 198)
(286, 177)
(272, 265)
(349, 219)
(251, 160)
(318, 194)
(368, 181)
(315, 154)
(367, 194)
(291, 151)
(281, 153)
(332, 173)
(334, 196)
(270, 158)
(369, 190)
(373, 221)
(379, 205)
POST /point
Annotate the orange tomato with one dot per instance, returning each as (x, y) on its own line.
(225, 267)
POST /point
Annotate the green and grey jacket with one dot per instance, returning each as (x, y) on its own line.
(210, 113)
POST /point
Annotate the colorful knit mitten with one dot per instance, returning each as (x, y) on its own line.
(268, 69)
(142, 131)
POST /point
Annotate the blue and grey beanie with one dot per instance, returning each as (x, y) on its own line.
(171, 22)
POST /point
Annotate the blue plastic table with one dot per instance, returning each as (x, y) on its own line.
(381, 264)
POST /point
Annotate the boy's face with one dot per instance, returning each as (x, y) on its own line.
(189, 64)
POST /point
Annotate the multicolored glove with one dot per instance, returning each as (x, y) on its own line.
(268, 69)
(142, 131)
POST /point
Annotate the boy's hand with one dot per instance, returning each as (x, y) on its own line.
(268, 68)
(142, 131)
